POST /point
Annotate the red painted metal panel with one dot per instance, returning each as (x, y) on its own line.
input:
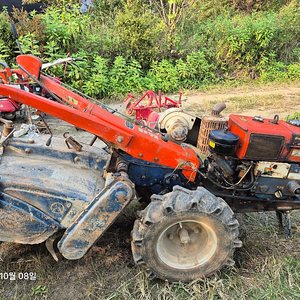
(31, 64)
(7, 105)
(134, 140)
(245, 126)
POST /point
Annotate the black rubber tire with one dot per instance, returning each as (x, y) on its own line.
(209, 246)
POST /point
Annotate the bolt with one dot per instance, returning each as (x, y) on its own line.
(27, 150)
(171, 236)
(140, 154)
(120, 139)
(155, 159)
(76, 159)
(96, 168)
(31, 141)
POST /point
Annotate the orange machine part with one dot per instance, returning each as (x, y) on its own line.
(31, 64)
(266, 140)
(137, 141)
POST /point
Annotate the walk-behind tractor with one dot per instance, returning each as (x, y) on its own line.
(194, 172)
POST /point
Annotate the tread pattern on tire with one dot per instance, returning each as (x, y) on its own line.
(175, 202)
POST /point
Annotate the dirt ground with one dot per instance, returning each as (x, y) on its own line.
(110, 263)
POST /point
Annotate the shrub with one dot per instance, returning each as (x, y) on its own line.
(7, 42)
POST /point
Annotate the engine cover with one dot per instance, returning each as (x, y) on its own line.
(265, 139)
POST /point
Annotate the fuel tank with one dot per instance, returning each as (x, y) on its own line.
(266, 139)
(45, 188)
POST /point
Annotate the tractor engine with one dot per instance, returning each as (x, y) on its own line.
(257, 155)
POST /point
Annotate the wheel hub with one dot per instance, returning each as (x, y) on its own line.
(186, 244)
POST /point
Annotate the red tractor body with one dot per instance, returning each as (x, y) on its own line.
(265, 139)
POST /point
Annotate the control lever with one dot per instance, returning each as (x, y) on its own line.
(71, 141)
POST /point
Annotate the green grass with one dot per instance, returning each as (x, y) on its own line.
(267, 267)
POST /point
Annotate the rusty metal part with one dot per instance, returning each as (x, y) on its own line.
(2, 141)
(183, 234)
(48, 129)
(208, 123)
(71, 141)
(218, 108)
(122, 165)
(8, 126)
(49, 245)
(28, 114)
(96, 218)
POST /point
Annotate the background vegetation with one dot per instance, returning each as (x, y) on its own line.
(135, 45)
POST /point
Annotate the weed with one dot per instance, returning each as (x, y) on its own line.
(38, 290)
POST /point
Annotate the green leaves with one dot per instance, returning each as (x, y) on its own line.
(39, 290)
(126, 47)
(29, 44)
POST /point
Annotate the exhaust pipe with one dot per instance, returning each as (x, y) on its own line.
(218, 108)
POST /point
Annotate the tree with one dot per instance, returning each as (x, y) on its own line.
(171, 12)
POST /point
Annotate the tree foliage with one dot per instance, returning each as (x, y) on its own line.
(133, 45)
(171, 12)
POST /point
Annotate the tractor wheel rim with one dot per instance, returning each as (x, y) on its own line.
(186, 244)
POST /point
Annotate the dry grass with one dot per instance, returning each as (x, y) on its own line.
(279, 102)
(240, 104)
(275, 98)
(267, 267)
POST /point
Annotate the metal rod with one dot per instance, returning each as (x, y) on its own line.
(42, 85)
